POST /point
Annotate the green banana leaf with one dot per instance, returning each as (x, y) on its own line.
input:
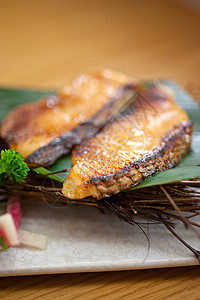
(188, 168)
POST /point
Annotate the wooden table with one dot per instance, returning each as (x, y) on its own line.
(45, 43)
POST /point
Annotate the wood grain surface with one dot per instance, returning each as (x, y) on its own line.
(45, 43)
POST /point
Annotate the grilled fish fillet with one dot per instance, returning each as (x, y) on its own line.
(45, 130)
(151, 135)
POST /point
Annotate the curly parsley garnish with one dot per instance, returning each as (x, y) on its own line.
(3, 244)
(12, 166)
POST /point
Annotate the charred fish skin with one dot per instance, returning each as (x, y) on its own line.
(45, 130)
(61, 146)
(3, 144)
(161, 159)
(150, 136)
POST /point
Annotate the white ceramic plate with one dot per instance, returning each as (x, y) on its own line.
(82, 239)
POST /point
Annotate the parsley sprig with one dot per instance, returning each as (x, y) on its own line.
(3, 244)
(12, 166)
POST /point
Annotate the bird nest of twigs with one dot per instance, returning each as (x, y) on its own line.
(160, 204)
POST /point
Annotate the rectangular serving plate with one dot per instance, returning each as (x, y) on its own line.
(81, 239)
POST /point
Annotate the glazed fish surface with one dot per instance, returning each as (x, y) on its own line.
(45, 130)
(151, 135)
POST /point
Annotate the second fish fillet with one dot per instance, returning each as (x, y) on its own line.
(151, 135)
